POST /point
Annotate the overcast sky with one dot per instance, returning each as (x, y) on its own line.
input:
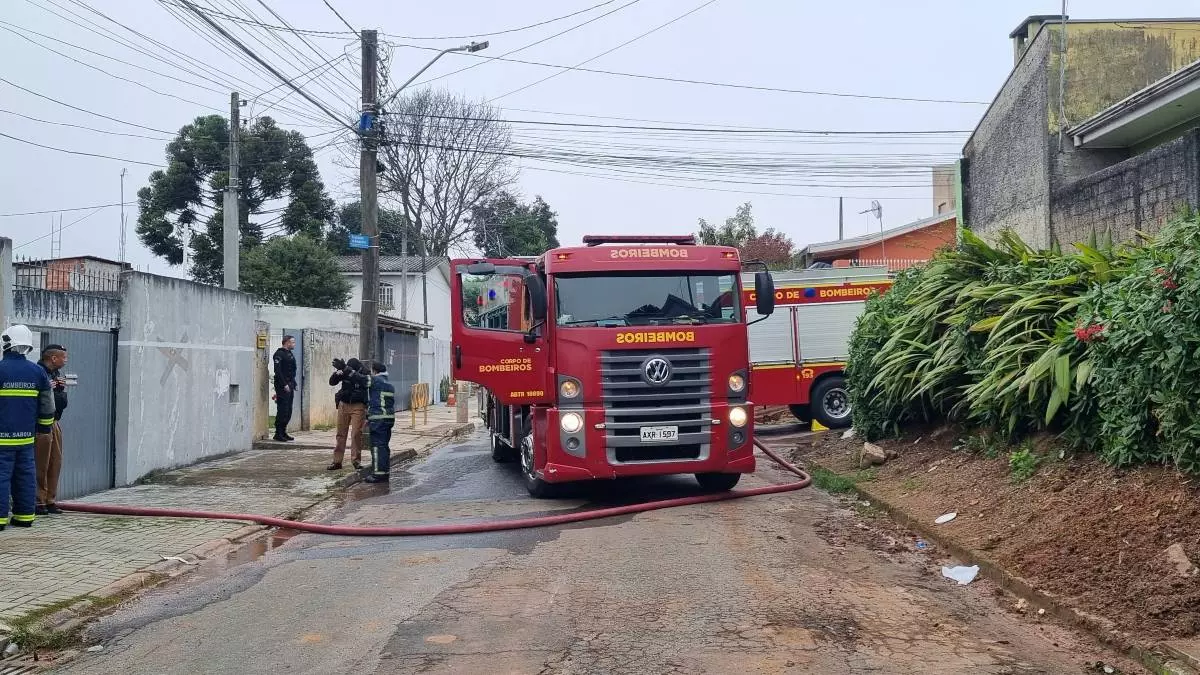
(932, 49)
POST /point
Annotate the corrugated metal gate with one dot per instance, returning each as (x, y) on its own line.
(87, 424)
(402, 356)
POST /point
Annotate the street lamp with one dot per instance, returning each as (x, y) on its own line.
(470, 49)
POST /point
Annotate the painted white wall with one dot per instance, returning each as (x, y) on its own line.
(184, 374)
(439, 299)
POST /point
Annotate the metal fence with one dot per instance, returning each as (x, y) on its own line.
(72, 291)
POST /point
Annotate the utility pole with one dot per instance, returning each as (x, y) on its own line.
(231, 241)
(404, 266)
(841, 221)
(368, 328)
(121, 246)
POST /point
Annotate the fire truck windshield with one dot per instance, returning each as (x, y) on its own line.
(641, 299)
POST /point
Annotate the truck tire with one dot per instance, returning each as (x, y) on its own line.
(831, 402)
(538, 488)
(718, 482)
(802, 413)
(501, 452)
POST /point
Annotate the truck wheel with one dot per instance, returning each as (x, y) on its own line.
(802, 413)
(718, 482)
(501, 452)
(831, 402)
(538, 488)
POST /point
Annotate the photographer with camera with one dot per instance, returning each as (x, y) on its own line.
(352, 409)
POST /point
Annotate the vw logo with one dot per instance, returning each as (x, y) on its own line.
(657, 370)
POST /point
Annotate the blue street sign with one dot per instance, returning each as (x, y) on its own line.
(360, 241)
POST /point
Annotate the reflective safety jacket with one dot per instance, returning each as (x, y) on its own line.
(26, 401)
(382, 405)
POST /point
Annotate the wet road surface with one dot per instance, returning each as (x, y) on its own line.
(793, 583)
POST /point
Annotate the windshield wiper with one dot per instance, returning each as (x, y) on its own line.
(575, 322)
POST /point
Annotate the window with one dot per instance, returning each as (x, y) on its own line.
(387, 297)
(615, 300)
(496, 302)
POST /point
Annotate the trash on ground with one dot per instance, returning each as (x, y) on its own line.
(946, 517)
(96, 648)
(11, 649)
(921, 545)
(850, 433)
(963, 575)
(185, 561)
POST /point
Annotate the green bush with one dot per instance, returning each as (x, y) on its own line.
(444, 388)
(1100, 344)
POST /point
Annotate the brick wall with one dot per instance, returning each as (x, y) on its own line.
(918, 245)
(1138, 194)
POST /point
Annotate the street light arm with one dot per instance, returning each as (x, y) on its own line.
(473, 47)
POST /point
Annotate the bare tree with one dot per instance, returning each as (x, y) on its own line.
(443, 155)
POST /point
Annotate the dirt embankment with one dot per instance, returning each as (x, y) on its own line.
(1105, 541)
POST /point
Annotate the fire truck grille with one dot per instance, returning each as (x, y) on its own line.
(632, 404)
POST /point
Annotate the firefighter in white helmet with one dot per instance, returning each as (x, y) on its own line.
(26, 409)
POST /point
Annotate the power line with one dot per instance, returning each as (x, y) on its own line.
(80, 126)
(524, 47)
(336, 13)
(83, 110)
(80, 152)
(507, 30)
(68, 210)
(683, 80)
(605, 53)
(217, 27)
(70, 224)
(101, 70)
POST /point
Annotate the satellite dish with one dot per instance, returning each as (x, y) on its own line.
(876, 209)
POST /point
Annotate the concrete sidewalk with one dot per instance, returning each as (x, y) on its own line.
(74, 557)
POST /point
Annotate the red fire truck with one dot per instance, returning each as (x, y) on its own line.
(798, 354)
(626, 356)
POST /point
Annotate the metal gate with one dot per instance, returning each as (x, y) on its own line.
(87, 423)
(402, 356)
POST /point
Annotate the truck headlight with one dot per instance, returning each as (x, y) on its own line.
(568, 389)
(573, 422)
(737, 416)
(737, 383)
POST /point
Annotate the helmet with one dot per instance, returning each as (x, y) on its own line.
(18, 339)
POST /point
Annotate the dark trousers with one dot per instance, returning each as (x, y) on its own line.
(381, 453)
(18, 482)
(283, 410)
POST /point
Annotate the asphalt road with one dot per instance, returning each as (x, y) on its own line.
(794, 583)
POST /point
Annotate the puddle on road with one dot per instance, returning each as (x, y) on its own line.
(249, 552)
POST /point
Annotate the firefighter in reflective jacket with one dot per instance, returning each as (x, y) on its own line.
(381, 415)
(26, 408)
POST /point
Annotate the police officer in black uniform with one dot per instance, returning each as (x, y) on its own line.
(285, 387)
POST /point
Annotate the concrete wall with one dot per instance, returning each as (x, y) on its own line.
(184, 375)
(435, 364)
(320, 349)
(263, 405)
(1006, 174)
(280, 318)
(1138, 194)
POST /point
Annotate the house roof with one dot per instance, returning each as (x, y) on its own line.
(855, 243)
(393, 264)
(43, 261)
(1164, 105)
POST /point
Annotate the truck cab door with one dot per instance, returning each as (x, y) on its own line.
(497, 329)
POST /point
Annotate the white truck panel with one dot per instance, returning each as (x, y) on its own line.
(772, 339)
(824, 329)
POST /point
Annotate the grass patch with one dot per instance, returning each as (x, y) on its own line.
(1023, 463)
(837, 483)
(29, 633)
(324, 427)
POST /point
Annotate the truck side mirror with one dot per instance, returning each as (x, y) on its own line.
(764, 293)
(537, 297)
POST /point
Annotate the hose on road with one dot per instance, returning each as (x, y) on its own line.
(456, 528)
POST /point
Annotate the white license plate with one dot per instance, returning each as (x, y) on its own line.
(659, 434)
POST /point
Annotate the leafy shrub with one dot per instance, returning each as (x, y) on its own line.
(1023, 463)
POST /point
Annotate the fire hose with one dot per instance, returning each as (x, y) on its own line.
(456, 528)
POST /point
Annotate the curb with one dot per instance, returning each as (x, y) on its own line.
(1097, 627)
